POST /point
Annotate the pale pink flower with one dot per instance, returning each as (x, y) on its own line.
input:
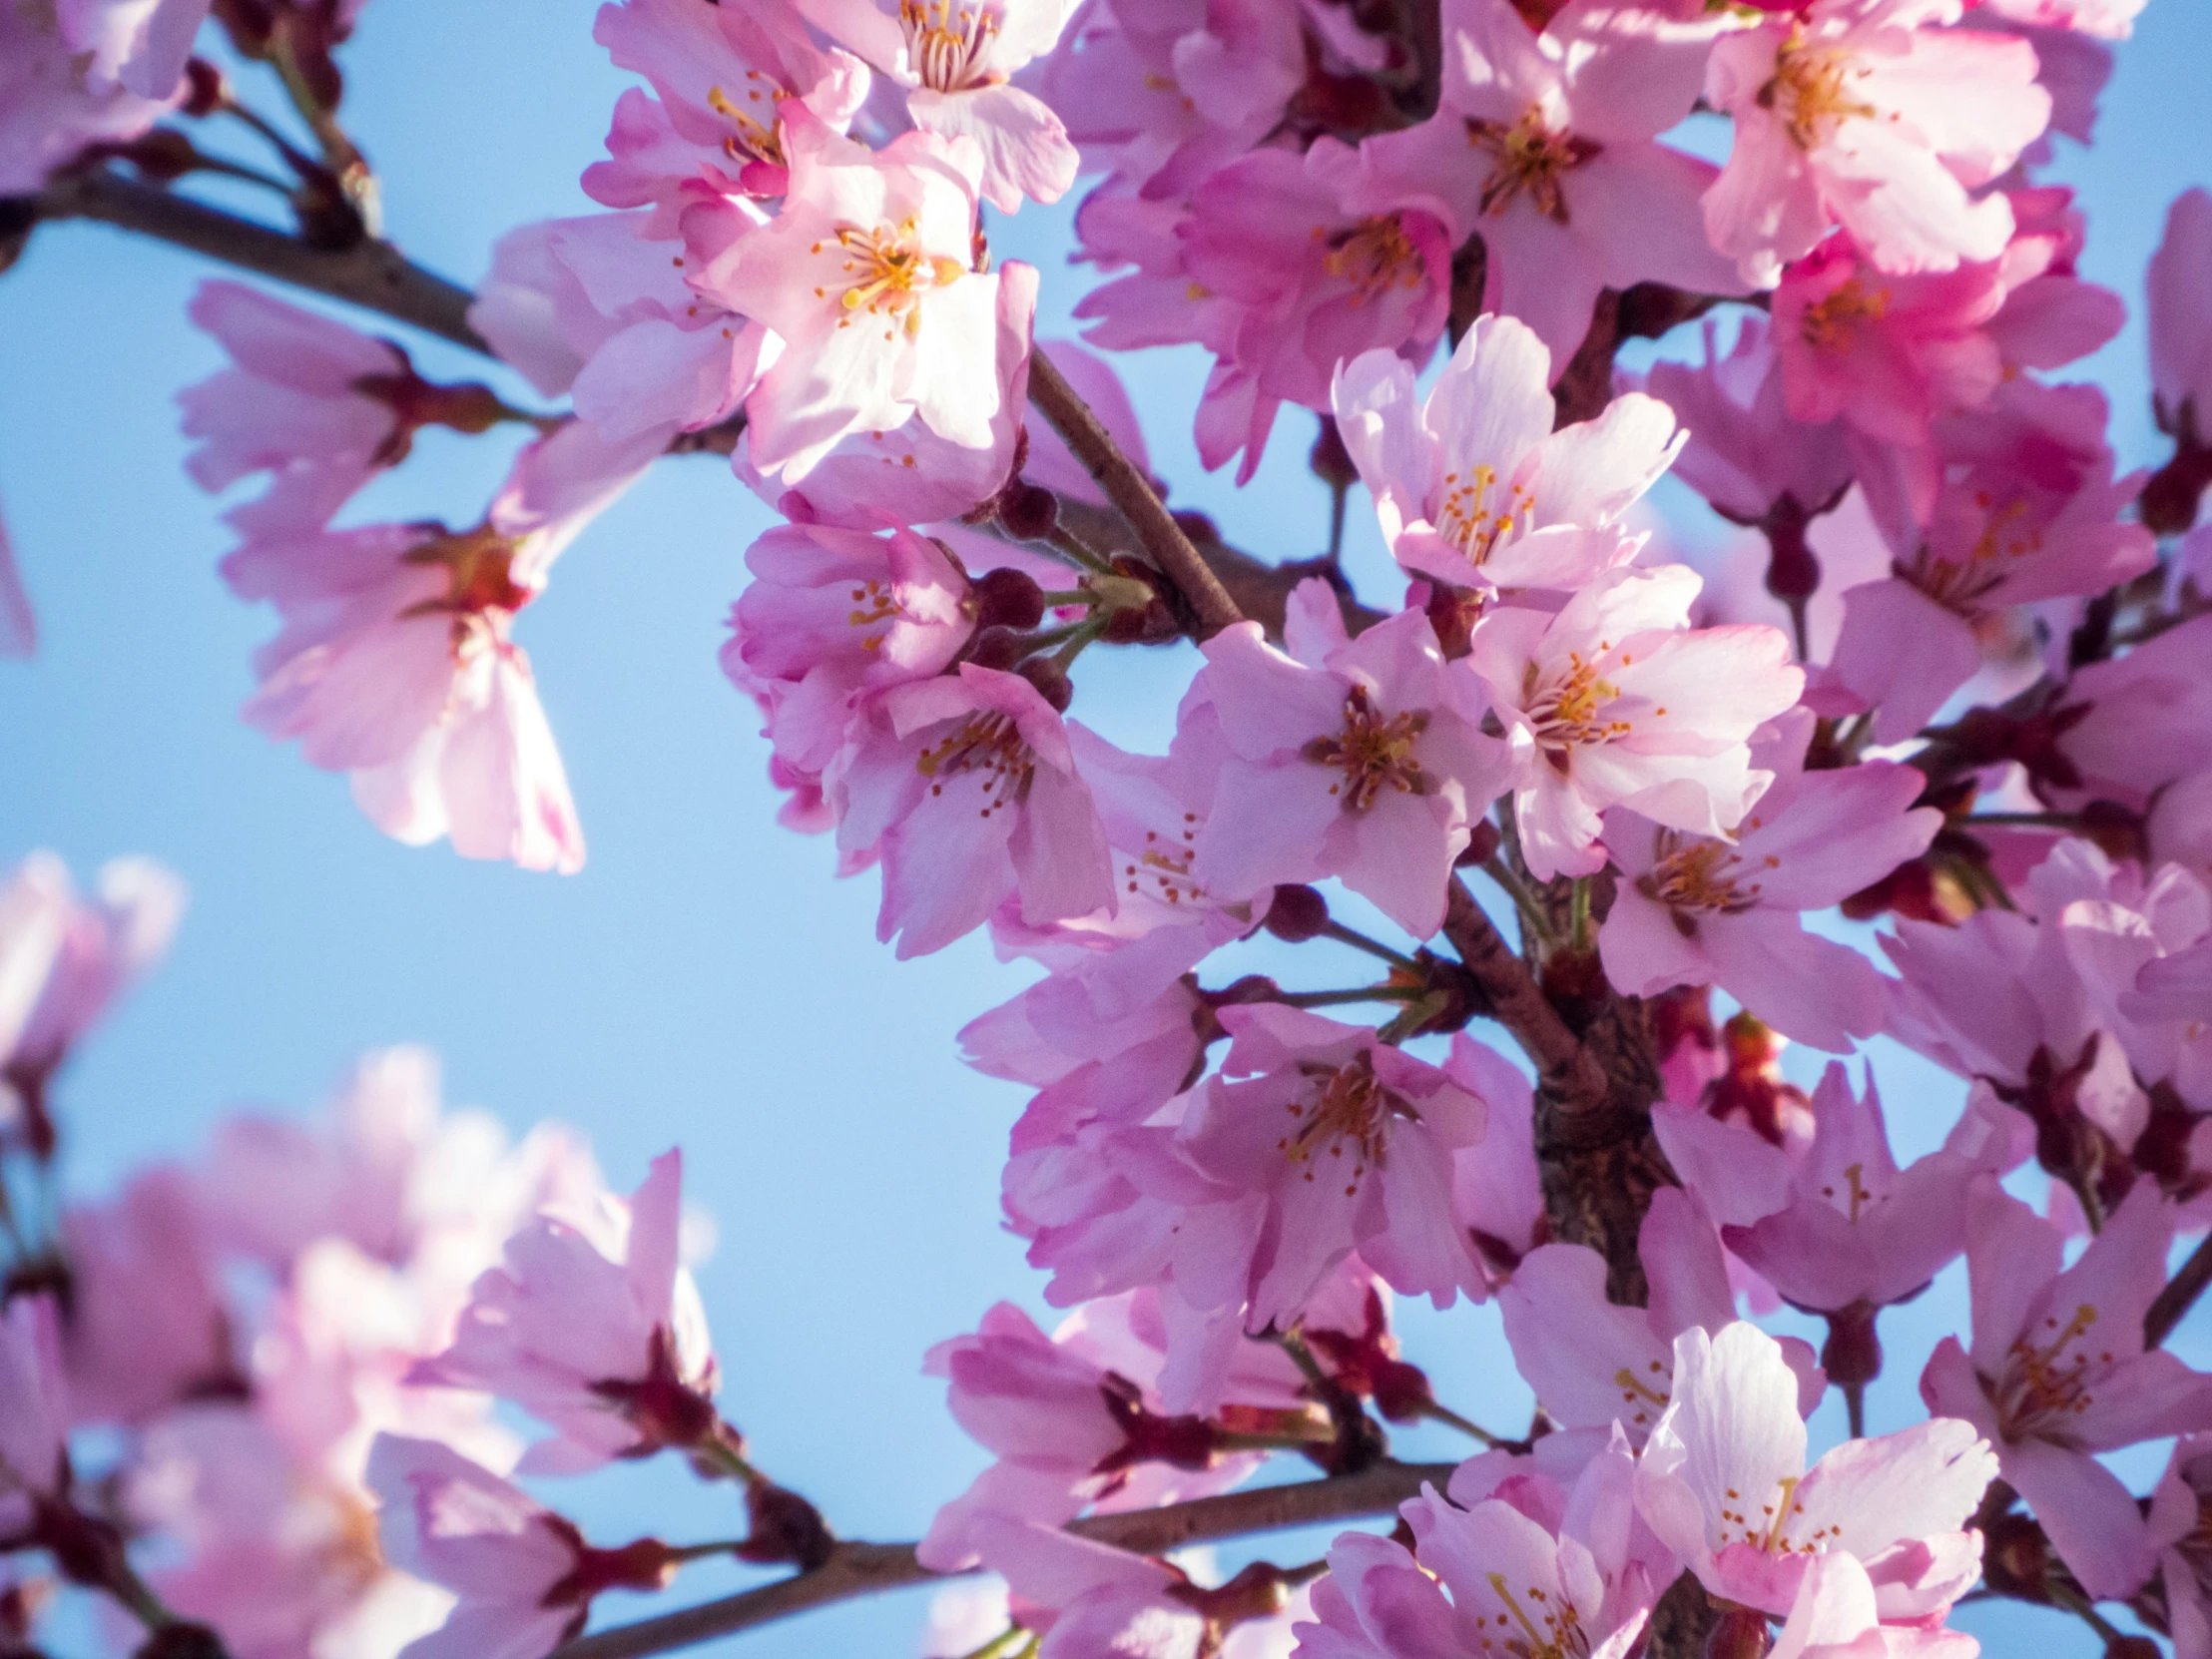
(1723, 1482)
(723, 75)
(2136, 725)
(524, 1576)
(1084, 1598)
(1726, 911)
(1350, 1144)
(956, 60)
(140, 45)
(2108, 19)
(1075, 1423)
(1600, 1367)
(1359, 759)
(1837, 1615)
(1530, 1568)
(1472, 485)
(1544, 147)
(965, 789)
(2179, 316)
(397, 663)
(2058, 1371)
(2176, 1525)
(867, 276)
(48, 114)
(593, 1325)
(1617, 702)
(1867, 114)
(319, 407)
(34, 1410)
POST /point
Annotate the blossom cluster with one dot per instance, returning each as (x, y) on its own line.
(1927, 759)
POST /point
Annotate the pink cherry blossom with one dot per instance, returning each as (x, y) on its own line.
(1723, 1482)
(723, 75)
(593, 1325)
(48, 114)
(1084, 1598)
(1548, 1572)
(2180, 318)
(1616, 701)
(1599, 1366)
(1726, 911)
(1837, 1615)
(2057, 1373)
(956, 60)
(524, 1576)
(1865, 113)
(868, 278)
(141, 45)
(2176, 1525)
(1359, 759)
(1472, 485)
(34, 1409)
(1074, 1421)
(1544, 145)
(965, 789)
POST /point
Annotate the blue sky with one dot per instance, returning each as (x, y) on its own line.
(705, 980)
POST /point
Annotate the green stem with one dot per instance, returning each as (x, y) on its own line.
(1373, 947)
(1082, 635)
(998, 1644)
(1079, 552)
(1067, 596)
(1453, 1419)
(1534, 922)
(1578, 915)
(1226, 1441)
(718, 1450)
(1366, 993)
(1301, 1357)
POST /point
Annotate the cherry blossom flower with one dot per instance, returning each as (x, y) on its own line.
(140, 45)
(1548, 1572)
(1472, 485)
(2180, 320)
(1725, 910)
(48, 114)
(34, 1410)
(1837, 1615)
(2176, 1527)
(1615, 701)
(723, 75)
(1863, 113)
(593, 1324)
(1359, 759)
(314, 404)
(2057, 1373)
(965, 787)
(524, 1576)
(1600, 1367)
(2132, 728)
(1723, 1482)
(868, 276)
(956, 59)
(1544, 147)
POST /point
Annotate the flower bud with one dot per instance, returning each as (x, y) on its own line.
(1029, 512)
(1007, 599)
(1298, 913)
(1051, 681)
(996, 648)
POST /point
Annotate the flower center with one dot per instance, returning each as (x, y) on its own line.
(759, 136)
(886, 273)
(1809, 92)
(1374, 752)
(1832, 325)
(1549, 1634)
(1855, 1195)
(1645, 1399)
(1527, 158)
(991, 746)
(1566, 715)
(1347, 1105)
(2047, 1386)
(1374, 256)
(1467, 520)
(873, 602)
(1961, 583)
(479, 566)
(1697, 877)
(1769, 1530)
(1165, 867)
(946, 44)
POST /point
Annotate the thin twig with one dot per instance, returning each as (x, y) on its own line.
(859, 1569)
(2179, 1296)
(372, 273)
(1132, 492)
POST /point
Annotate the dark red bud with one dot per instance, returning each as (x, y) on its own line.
(1330, 459)
(1051, 681)
(1253, 987)
(1852, 1353)
(2132, 1647)
(1007, 599)
(206, 90)
(1482, 844)
(1030, 512)
(180, 1640)
(1298, 913)
(1740, 1634)
(1000, 648)
(785, 1528)
(1197, 526)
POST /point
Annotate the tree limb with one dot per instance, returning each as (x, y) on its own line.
(372, 273)
(860, 1570)
(1519, 1004)
(1130, 491)
(2179, 1296)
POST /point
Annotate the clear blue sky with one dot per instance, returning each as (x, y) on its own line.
(705, 980)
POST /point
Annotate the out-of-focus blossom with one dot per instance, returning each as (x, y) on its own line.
(1867, 114)
(140, 45)
(48, 114)
(2179, 316)
(2058, 1371)
(1724, 1483)
(957, 59)
(1544, 147)
(1727, 910)
(1472, 485)
(593, 1324)
(2178, 1507)
(34, 1410)
(1359, 759)
(18, 625)
(1617, 702)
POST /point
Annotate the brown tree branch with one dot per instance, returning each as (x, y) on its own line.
(1130, 490)
(2179, 1296)
(859, 1569)
(1519, 1004)
(373, 275)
